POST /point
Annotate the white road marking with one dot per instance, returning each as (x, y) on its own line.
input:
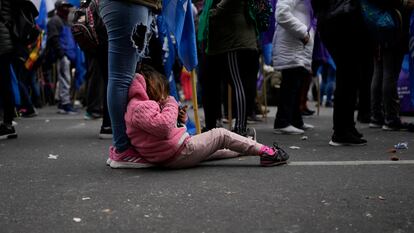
(350, 163)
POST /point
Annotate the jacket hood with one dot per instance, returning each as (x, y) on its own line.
(138, 88)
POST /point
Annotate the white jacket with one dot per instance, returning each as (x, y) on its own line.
(293, 21)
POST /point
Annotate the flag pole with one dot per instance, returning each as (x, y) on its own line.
(195, 104)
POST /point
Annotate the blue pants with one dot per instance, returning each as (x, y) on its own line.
(124, 22)
(328, 81)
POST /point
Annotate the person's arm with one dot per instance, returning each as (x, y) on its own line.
(149, 117)
(289, 22)
(53, 37)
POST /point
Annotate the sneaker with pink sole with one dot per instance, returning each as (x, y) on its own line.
(127, 159)
(272, 156)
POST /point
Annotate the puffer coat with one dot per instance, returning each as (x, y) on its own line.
(293, 19)
(6, 43)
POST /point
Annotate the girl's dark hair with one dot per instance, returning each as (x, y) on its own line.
(157, 84)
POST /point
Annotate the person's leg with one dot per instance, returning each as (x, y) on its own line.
(204, 146)
(392, 67)
(26, 102)
(324, 82)
(364, 87)
(303, 94)
(64, 79)
(210, 77)
(6, 93)
(235, 78)
(345, 38)
(103, 66)
(94, 87)
(302, 75)
(125, 23)
(289, 96)
(249, 68)
(330, 86)
(342, 42)
(377, 115)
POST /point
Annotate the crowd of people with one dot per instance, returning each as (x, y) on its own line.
(126, 85)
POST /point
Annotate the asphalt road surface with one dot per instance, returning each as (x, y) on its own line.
(53, 178)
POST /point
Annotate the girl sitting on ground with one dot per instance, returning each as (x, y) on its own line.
(152, 120)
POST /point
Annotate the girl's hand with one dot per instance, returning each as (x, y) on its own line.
(182, 114)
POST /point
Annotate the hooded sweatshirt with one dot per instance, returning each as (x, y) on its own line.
(151, 126)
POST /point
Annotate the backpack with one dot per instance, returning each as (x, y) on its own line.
(260, 11)
(385, 25)
(84, 26)
(23, 27)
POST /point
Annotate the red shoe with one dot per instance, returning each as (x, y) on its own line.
(127, 159)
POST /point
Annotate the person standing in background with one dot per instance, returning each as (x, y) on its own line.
(61, 46)
(292, 54)
(232, 56)
(342, 31)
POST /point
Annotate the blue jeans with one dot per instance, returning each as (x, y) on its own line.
(328, 82)
(121, 20)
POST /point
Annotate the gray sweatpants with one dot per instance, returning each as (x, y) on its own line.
(385, 105)
(64, 79)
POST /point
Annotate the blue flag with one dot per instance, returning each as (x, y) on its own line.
(15, 87)
(178, 16)
(80, 67)
(41, 19)
(177, 34)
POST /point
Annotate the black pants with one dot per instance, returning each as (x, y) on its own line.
(238, 67)
(103, 66)
(6, 93)
(96, 98)
(347, 41)
(288, 110)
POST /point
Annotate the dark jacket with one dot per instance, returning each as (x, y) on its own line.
(54, 28)
(405, 20)
(6, 42)
(230, 27)
(326, 10)
(155, 5)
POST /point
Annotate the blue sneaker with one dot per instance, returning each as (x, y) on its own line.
(67, 109)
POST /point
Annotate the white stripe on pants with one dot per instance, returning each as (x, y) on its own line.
(217, 143)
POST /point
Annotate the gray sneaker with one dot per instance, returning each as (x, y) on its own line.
(250, 133)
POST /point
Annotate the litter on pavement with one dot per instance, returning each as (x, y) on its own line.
(401, 146)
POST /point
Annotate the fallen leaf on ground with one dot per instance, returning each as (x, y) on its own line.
(394, 158)
(392, 150)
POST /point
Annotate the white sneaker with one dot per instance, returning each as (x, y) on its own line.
(288, 130)
(306, 127)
